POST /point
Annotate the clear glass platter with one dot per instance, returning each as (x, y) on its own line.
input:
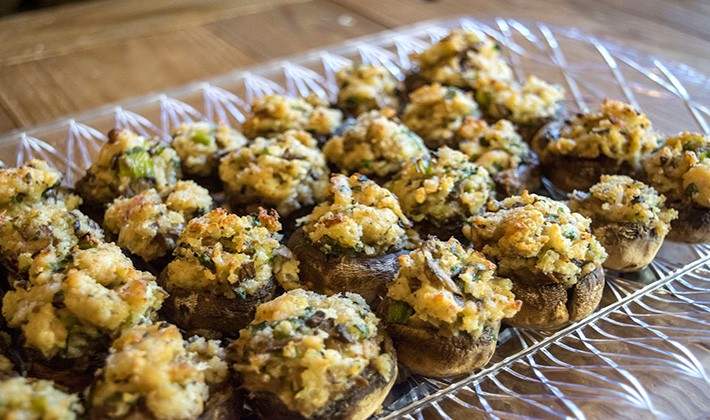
(643, 354)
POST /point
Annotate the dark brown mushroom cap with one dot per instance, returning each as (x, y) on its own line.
(692, 224)
(549, 305)
(351, 272)
(631, 246)
(513, 181)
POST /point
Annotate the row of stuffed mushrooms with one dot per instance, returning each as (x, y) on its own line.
(402, 230)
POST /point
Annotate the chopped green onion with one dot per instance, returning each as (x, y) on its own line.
(398, 312)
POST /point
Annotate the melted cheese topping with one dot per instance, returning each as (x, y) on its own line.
(149, 227)
(72, 302)
(529, 103)
(451, 288)
(359, 216)
(539, 234)
(26, 398)
(462, 59)
(200, 145)
(128, 164)
(621, 199)
(616, 130)
(273, 114)
(287, 172)
(377, 143)
(365, 87)
(152, 368)
(436, 113)
(309, 350)
(680, 169)
(444, 189)
(496, 147)
(229, 255)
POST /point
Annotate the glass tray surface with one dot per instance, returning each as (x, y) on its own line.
(643, 354)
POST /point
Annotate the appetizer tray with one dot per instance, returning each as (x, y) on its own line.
(644, 353)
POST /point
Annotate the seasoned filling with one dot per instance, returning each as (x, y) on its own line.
(287, 172)
(359, 216)
(27, 398)
(450, 288)
(436, 112)
(309, 350)
(364, 87)
(128, 164)
(618, 198)
(148, 225)
(376, 144)
(200, 145)
(230, 255)
(531, 233)
(497, 147)
(443, 189)
(24, 232)
(34, 182)
(680, 169)
(153, 369)
(616, 131)
(73, 303)
(273, 114)
(532, 102)
(462, 59)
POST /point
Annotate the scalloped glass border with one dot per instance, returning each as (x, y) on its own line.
(564, 373)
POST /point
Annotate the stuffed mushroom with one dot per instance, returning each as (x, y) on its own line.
(311, 356)
(149, 224)
(126, 165)
(529, 106)
(365, 87)
(548, 252)
(612, 140)
(30, 398)
(73, 305)
(440, 192)
(629, 219)
(224, 266)
(274, 114)
(287, 172)
(436, 112)
(200, 145)
(680, 170)
(377, 144)
(350, 243)
(500, 149)
(444, 308)
(152, 372)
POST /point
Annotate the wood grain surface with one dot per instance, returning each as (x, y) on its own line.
(75, 57)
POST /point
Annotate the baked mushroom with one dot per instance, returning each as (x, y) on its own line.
(444, 309)
(286, 172)
(529, 106)
(629, 219)
(365, 87)
(126, 165)
(153, 373)
(436, 112)
(200, 145)
(377, 144)
(149, 224)
(224, 266)
(71, 308)
(462, 59)
(440, 192)
(612, 140)
(548, 252)
(680, 170)
(350, 242)
(29, 398)
(311, 356)
(500, 149)
(274, 114)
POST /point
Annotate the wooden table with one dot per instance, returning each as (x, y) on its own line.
(75, 57)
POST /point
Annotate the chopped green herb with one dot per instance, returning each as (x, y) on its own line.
(484, 142)
(364, 331)
(691, 190)
(352, 102)
(206, 261)
(202, 138)
(570, 234)
(399, 312)
(240, 293)
(366, 163)
(136, 163)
